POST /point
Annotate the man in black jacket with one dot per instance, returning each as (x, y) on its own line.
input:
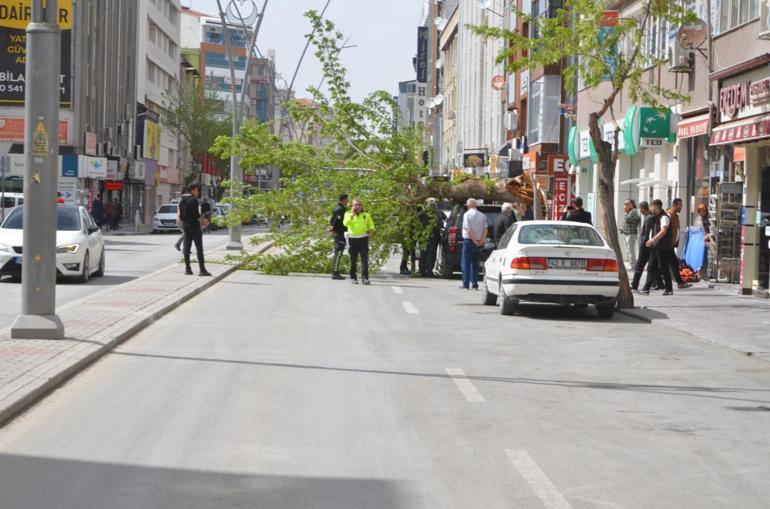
(660, 243)
(189, 215)
(579, 215)
(503, 222)
(338, 230)
(648, 223)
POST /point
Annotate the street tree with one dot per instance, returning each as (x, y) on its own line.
(349, 147)
(606, 54)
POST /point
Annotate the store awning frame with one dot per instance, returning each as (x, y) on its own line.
(694, 126)
(741, 131)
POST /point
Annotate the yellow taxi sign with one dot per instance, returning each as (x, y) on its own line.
(17, 14)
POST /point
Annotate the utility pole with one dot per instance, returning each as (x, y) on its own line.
(38, 319)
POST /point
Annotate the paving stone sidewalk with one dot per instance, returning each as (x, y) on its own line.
(94, 325)
(712, 312)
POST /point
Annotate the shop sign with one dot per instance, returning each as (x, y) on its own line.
(608, 134)
(759, 92)
(68, 190)
(91, 144)
(691, 127)
(733, 98)
(561, 194)
(12, 130)
(474, 160)
(585, 145)
(151, 140)
(557, 165)
(524, 86)
(112, 169)
(530, 162)
(422, 54)
(741, 132)
(69, 166)
(646, 127)
(96, 167)
(113, 186)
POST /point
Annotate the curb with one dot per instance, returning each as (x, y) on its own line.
(631, 314)
(48, 385)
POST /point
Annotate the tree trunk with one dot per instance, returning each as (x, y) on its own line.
(513, 190)
(607, 198)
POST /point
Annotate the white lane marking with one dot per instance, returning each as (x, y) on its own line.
(398, 290)
(409, 308)
(466, 386)
(545, 490)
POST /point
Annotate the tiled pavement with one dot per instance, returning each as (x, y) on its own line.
(93, 326)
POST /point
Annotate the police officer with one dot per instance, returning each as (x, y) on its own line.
(337, 229)
(189, 215)
(360, 227)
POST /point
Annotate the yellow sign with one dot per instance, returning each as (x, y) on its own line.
(18, 13)
(151, 140)
(40, 140)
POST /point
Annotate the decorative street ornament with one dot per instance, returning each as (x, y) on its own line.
(498, 82)
(242, 12)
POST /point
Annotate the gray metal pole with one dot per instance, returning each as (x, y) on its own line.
(41, 148)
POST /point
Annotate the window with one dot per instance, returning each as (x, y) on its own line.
(68, 219)
(543, 122)
(560, 235)
(733, 13)
(507, 236)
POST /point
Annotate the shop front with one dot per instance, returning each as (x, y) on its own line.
(743, 134)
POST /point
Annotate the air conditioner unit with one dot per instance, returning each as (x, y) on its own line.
(108, 133)
(679, 58)
(764, 21)
(121, 130)
(107, 148)
(138, 152)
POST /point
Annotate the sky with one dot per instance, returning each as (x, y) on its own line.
(384, 31)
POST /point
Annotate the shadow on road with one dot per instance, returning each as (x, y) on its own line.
(27, 481)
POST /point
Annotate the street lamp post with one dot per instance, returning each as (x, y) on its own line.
(38, 318)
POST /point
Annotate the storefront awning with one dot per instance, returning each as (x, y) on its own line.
(693, 126)
(742, 131)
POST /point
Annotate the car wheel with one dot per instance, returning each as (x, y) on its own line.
(444, 270)
(605, 310)
(100, 270)
(487, 298)
(84, 274)
(154, 231)
(507, 304)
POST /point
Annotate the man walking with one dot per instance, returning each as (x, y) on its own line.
(360, 227)
(97, 210)
(503, 222)
(673, 212)
(648, 223)
(337, 229)
(631, 229)
(660, 244)
(180, 240)
(189, 215)
(579, 215)
(474, 235)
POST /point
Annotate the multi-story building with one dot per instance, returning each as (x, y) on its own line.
(158, 77)
(412, 104)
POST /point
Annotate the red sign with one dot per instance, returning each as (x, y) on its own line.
(741, 132)
(691, 127)
(561, 194)
(733, 98)
(12, 130)
(610, 18)
(557, 165)
(113, 186)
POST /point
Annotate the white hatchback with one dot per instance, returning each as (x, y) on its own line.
(79, 244)
(164, 219)
(556, 262)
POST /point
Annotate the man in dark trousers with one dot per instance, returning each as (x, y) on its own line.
(337, 229)
(579, 215)
(429, 255)
(660, 243)
(648, 223)
(189, 215)
(503, 222)
(206, 213)
(97, 210)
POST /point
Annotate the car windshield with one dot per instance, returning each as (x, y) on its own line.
(560, 234)
(68, 219)
(167, 209)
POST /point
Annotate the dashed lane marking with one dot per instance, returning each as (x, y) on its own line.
(409, 308)
(545, 490)
(466, 386)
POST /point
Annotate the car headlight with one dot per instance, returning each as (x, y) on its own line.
(69, 248)
(4, 248)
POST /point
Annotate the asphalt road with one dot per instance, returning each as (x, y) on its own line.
(128, 257)
(300, 392)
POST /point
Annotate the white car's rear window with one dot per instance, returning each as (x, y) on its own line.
(560, 234)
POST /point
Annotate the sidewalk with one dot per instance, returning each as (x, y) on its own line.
(29, 369)
(712, 312)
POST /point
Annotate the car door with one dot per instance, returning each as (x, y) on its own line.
(499, 256)
(93, 234)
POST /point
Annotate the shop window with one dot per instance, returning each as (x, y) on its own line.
(543, 122)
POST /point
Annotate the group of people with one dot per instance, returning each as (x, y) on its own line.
(352, 229)
(107, 216)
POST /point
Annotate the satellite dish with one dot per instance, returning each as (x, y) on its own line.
(438, 100)
(431, 104)
(485, 4)
(439, 63)
(440, 23)
(693, 35)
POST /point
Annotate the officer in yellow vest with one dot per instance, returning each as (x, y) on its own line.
(360, 227)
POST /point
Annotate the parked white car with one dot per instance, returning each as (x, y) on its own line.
(79, 244)
(165, 219)
(556, 262)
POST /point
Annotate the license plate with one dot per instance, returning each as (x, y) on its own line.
(567, 263)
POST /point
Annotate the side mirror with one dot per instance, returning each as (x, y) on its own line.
(93, 229)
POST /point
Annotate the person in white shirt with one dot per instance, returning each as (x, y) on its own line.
(474, 234)
(661, 244)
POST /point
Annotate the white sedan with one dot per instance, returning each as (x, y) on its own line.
(556, 262)
(79, 244)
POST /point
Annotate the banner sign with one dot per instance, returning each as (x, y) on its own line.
(151, 140)
(422, 54)
(607, 29)
(15, 15)
(474, 160)
(561, 194)
(12, 130)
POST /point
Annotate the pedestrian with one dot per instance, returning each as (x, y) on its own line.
(118, 214)
(524, 212)
(673, 212)
(474, 234)
(503, 222)
(360, 227)
(206, 213)
(190, 217)
(109, 212)
(704, 222)
(660, 243)
(97, 210)
(337, 229)
(630, 230)
(180, 240)
(643, 256)
(579, 215)
(569, 210)
(434, 240)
